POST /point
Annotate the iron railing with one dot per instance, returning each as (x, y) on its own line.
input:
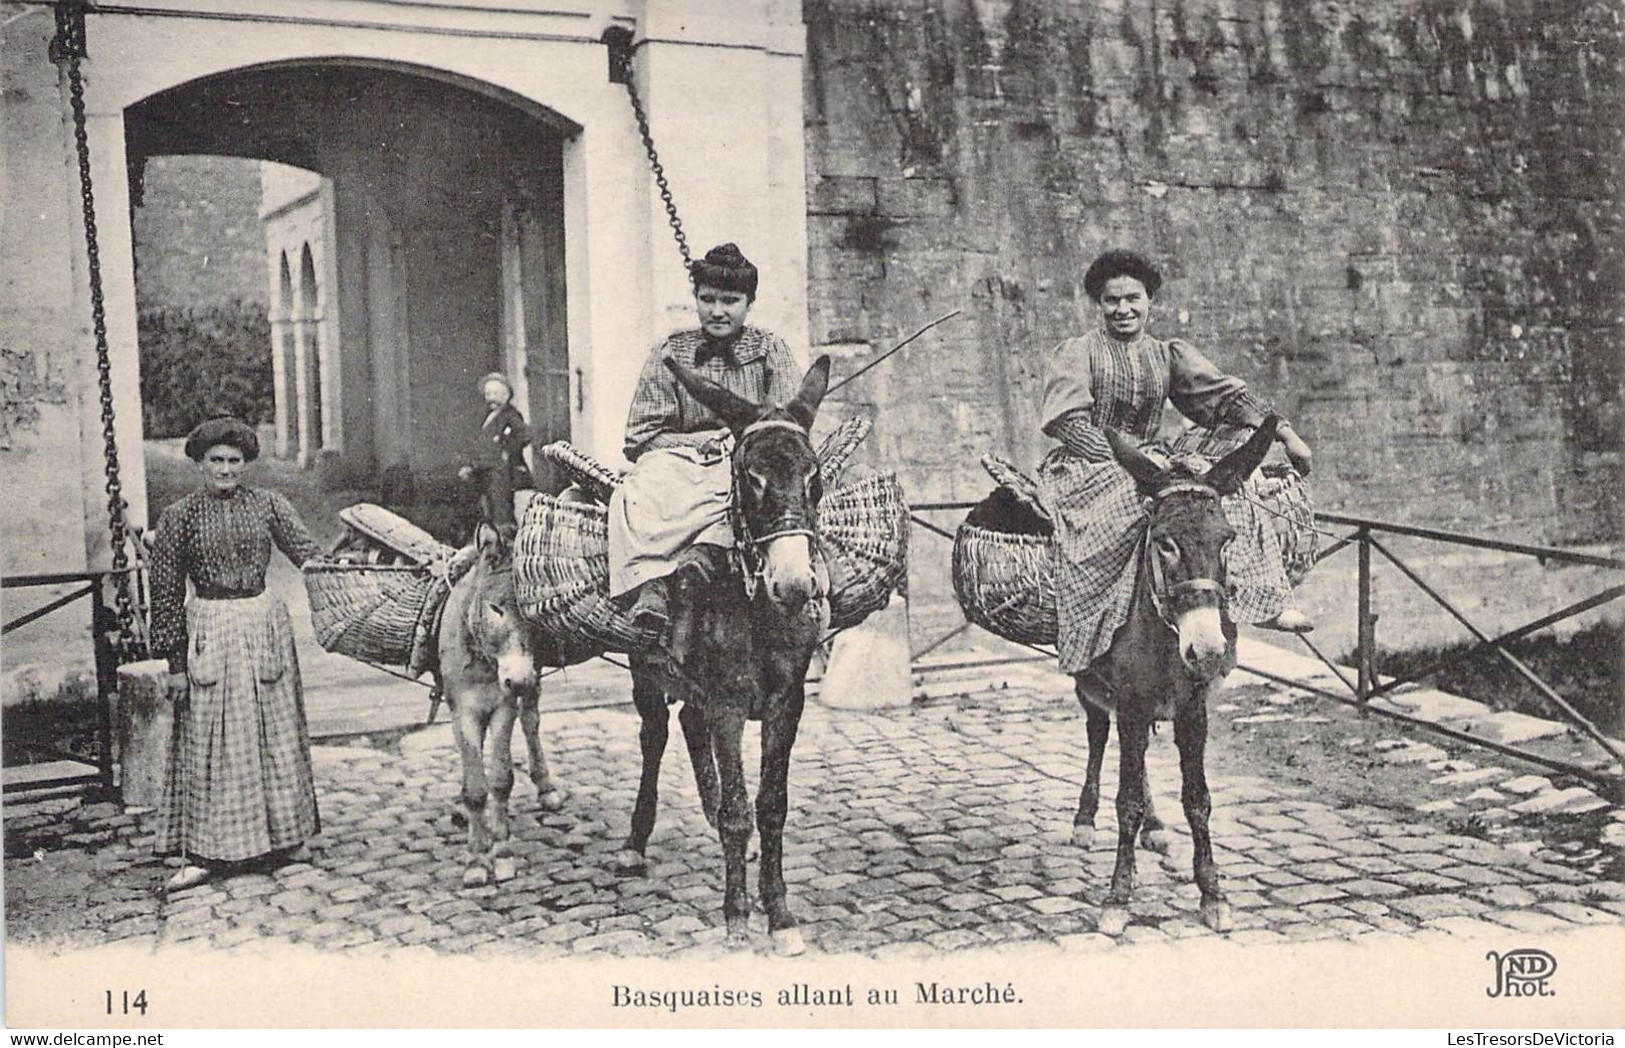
(1363, 535)
(104, 626)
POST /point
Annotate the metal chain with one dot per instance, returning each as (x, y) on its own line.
(675, 222)
(69, 47)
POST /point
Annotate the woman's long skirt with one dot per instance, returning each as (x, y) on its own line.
(1100, 521)
(239, 782)
(672, 499)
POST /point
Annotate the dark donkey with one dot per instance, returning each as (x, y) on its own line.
(752, 639)
(1165, 662)
(488, 660)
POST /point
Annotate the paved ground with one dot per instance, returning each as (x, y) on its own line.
(940, 827)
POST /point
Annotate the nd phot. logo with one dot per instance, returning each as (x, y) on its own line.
(1522, 973)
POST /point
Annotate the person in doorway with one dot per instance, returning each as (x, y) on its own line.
(669, 516)
(1119, 376)
(500, 471)
(238, 786)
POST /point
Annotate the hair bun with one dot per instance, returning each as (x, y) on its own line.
(726, 255)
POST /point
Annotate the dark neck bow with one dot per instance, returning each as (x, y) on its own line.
(717, 349)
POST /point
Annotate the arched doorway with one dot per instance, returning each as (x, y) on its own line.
(433, 253)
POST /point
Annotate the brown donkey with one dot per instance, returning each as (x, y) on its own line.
(753, 635)
(1165, 663)
(488, 660)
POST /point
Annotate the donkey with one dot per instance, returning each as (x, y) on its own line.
(753, 634)
(488, 658)
(1165, 663)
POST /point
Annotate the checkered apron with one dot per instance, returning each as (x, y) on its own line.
(239, 781)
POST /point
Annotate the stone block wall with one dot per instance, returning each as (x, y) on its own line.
(1397, 220)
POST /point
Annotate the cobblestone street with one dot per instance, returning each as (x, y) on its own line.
(940, 827)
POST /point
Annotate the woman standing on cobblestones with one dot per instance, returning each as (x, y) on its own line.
(1119, 376)
(239, 784)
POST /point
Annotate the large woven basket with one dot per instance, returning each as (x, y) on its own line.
(863, 532)
(1005, 583)
(561, 562)
(372, 612)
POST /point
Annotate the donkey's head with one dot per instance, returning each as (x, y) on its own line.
(495, 630)
(1185, 543)
(776, 481)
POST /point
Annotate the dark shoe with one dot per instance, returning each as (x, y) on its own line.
(702, 564)
(652, 609)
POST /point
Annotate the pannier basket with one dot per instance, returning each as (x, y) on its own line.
(372, 612)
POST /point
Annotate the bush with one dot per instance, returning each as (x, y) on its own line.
(201, 362)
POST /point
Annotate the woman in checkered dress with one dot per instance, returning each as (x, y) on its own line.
(239, 782)
(669, 515)
(1118, 376)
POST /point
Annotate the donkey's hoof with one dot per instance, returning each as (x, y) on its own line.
(787, 942)
(1083, 836)
(476, 877)
(551, 800)
(504, 868)
(1113, 919)
(1155, 840)
(630, 861)
(738, 933)
(1216, 914)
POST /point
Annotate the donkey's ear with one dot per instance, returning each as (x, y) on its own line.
(734, 410)
(490, 541)
(1139, 465)
(1228, 474)
(804, 408)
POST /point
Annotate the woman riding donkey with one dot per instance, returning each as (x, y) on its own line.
(669, 516)
(1117, 376)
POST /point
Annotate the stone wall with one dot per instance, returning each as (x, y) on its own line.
(1396, 219)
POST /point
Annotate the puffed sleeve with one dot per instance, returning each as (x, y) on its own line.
(1069, 401)
(166, 570)
(655, 408)
(289, 532)
(784, 375)
(1204, 394)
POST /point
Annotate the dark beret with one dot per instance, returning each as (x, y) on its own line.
(1119, 263)
(725, 268)
(223, 429)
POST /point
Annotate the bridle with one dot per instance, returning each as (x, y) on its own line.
(1164, 596)
(747, 544)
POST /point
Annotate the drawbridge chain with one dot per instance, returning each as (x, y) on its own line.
(69, 48)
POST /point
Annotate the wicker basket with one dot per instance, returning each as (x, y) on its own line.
(561, 575)
(837, 448)
(561, 562)
(592, 476)
(1006, 583)
(380, 527)
(863, 530)
(371, 612)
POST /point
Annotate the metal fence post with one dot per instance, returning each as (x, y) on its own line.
(103, 622)
(1367, 645)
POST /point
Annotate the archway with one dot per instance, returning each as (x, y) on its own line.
(406, 289)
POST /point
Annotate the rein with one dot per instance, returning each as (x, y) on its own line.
(1163, 595)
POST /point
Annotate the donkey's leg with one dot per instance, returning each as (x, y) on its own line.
(502, 788)
(772, 803)
(697, 737)
(1153, 831)
(733, 815)
(1133, 734)
(1190, 735)
(650, 700)
(1098, 725)
(548, 795)
(470, 717)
